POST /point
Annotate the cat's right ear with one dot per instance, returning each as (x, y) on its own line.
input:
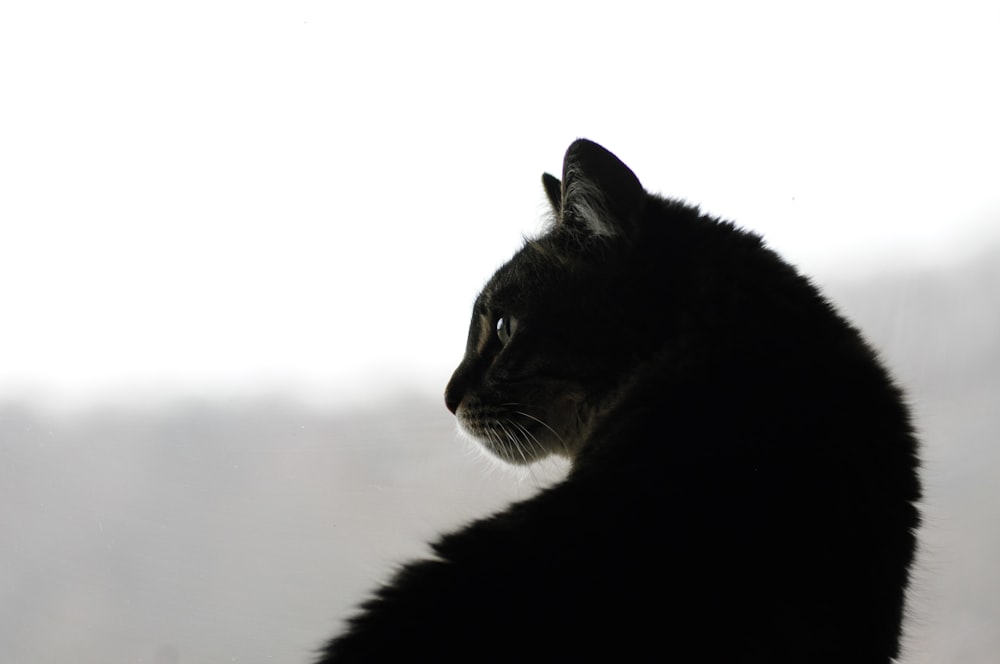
(553, 189)
(601, 196)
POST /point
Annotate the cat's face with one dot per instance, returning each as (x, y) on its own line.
(544, 353)
(509, 392)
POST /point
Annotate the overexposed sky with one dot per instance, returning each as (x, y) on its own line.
(220, 197)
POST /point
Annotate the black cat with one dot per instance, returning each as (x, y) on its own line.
(744, 473)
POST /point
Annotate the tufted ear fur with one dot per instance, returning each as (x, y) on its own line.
(599, 195)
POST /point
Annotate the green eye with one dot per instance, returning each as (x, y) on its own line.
(505, 328)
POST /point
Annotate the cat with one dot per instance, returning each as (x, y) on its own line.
(743, 482)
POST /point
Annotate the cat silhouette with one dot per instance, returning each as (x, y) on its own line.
(744, 474)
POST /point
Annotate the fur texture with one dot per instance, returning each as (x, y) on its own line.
(744, 473)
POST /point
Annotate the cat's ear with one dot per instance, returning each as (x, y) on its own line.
(553, 189)
(600, 195)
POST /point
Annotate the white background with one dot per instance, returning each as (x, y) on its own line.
(304, 197)
(212, 211)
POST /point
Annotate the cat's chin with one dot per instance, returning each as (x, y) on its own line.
(503, 443)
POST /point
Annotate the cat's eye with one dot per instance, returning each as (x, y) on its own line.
(505, 328)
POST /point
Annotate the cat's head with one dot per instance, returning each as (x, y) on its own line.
(553, 333)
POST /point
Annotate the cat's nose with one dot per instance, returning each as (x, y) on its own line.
(455, 391)
(453, 395)
(452, 401)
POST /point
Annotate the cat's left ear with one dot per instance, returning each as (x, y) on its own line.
(600, 195)
(553, 189)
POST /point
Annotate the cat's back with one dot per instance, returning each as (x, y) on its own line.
(567, 576)
(699, 562)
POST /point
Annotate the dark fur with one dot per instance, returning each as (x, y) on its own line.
(744, 474)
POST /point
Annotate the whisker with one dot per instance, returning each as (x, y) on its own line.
(505, 449)
(530, 438)
(554, 433)
(520, 448)
(534, 444)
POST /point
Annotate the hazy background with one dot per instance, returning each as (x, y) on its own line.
(239, 242)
